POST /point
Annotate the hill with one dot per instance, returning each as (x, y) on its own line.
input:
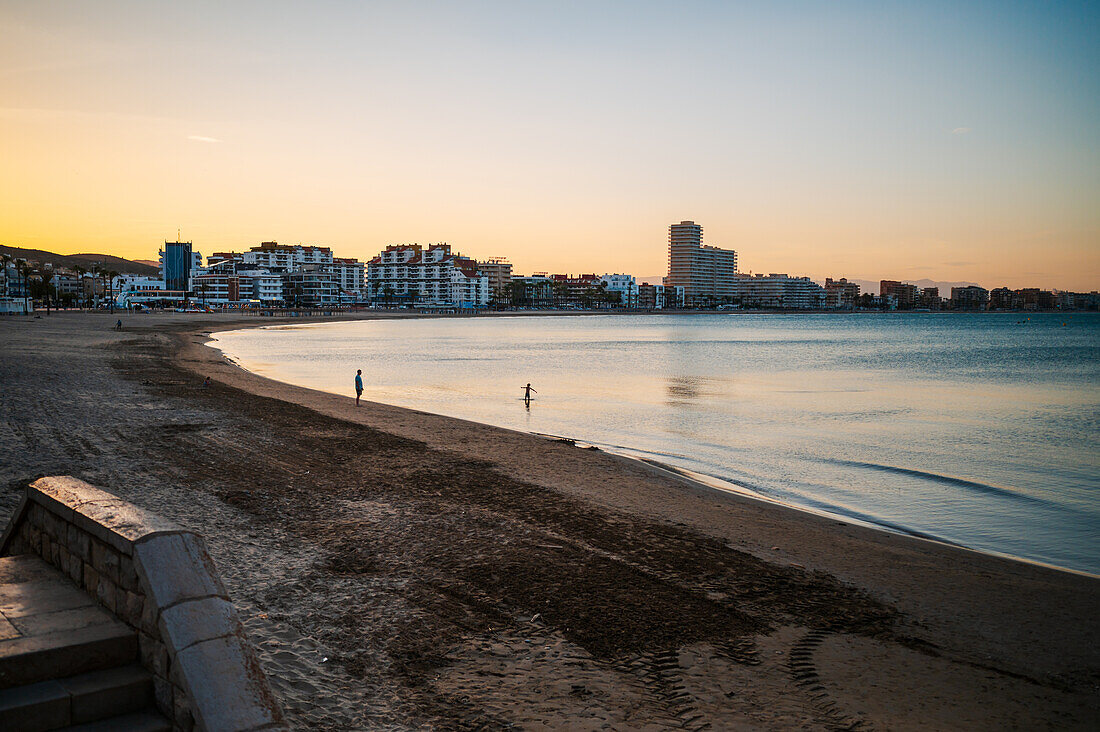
(120, 265)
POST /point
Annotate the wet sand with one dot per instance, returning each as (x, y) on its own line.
(402, 569)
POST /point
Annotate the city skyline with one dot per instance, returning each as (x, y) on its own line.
(941, 142)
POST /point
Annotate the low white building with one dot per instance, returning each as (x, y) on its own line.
(625, 286)
(778, 291)
(140, 290)
(433, 277)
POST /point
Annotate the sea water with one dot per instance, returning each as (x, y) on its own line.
(977, 429)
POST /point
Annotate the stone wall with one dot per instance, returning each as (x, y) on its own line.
(157, 578)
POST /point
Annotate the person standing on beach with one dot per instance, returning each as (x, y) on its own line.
(527, 392)
(358, 385)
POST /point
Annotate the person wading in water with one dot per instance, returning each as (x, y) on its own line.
(527, 392)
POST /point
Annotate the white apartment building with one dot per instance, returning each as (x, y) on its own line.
(435, 277)
(265, 272)
(625, 286)
(286, 257)
(779, 291)
(139, 290)
(350, 276)
(267, 287)
(310, 285)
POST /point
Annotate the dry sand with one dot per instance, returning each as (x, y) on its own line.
(401, 569)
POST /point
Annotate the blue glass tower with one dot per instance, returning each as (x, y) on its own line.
(177, 264)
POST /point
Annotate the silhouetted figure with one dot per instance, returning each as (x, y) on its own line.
(358, 385)
(527, 392)
(118, 325)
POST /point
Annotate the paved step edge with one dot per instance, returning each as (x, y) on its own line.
(94, 648)
(138, 722)
(89, 697)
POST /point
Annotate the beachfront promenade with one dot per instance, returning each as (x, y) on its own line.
(401, 569)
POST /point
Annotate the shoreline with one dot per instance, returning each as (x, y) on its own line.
(401, 569)
(699, 480)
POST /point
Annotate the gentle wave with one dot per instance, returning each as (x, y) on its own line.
(950, 480)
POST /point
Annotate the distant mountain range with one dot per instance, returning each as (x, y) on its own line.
(118, 264)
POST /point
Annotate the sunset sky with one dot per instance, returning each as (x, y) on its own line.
(954, 140)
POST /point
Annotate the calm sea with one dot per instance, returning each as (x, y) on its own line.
(981, 430)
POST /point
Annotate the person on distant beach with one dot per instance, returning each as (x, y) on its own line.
(206, 383)
(527, 392)
(358, 385)
(118, 325)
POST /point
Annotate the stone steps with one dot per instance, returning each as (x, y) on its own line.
(63, 659)
(50, 628)
(86, 698)
(138, 722)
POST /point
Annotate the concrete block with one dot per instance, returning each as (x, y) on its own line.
(91, 579)
(165, 697)
(130, 607)
(55, 527)
(226, 686)
(175, 567)
(175, 675)
(181, 715)
(76, 569)
(107, 594)
(120, 524)
(105, 560)
(62, 494)
(127, 575)
(149, 616)
(154, 656)
(63, 558)
(80, 543)
(194, 621)
(34, 512)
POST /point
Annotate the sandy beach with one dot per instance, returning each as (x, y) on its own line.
(397, 569)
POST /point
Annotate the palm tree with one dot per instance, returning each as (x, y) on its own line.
(111, 275)
(25, 270)
(5, 259)
(46, 274)
(80, 272)
(96, 270)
